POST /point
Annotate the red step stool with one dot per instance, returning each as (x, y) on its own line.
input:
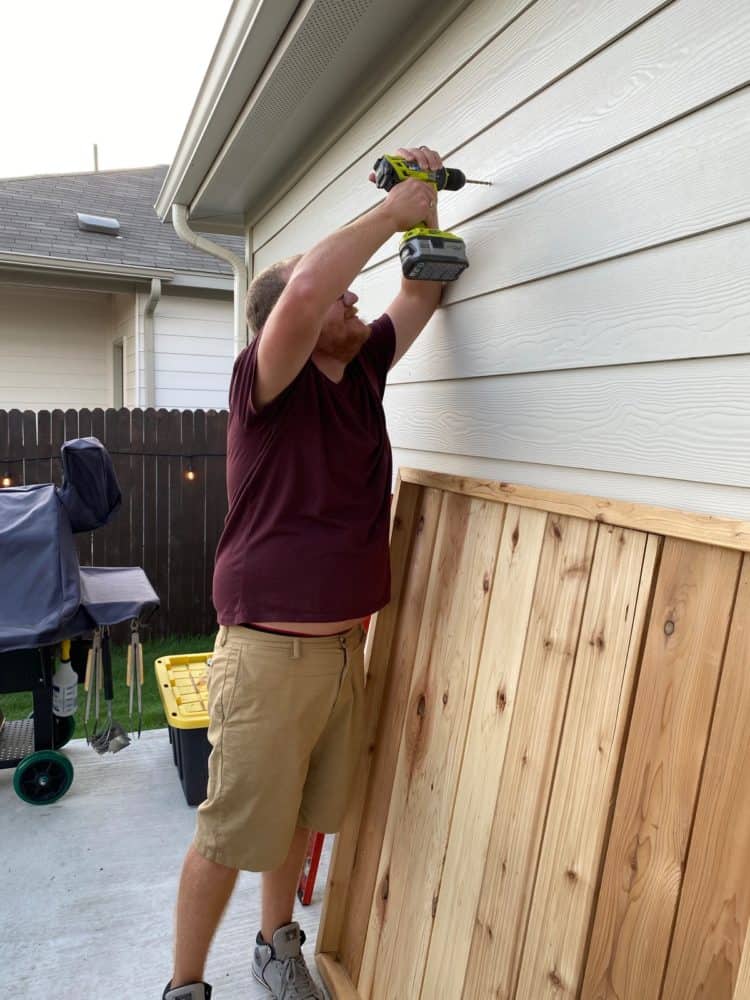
(310, 868)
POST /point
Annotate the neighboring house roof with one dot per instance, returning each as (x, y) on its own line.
(38, 218)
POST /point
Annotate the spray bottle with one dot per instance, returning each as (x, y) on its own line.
(65, 685)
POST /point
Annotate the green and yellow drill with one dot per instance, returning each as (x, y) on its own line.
(426, 254)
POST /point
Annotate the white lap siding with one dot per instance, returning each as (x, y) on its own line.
(193, 351)
(597, 341)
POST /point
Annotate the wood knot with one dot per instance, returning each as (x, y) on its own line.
(434, 904)
(554, 978)
(421, 706)
(547, 643)
(556, 530)
(386, 887)
(600, 641)
(488, 929)
(668, 627)
(420, 523)
(486, 582)
(514, 538)
(571, 875)
(445, 697)
(501, 700)
(525, 758)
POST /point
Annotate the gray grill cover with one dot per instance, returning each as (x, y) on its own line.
(45, 595)
(41, 581)
(90, 491)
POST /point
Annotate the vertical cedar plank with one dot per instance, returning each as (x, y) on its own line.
(486, 744)
(122, 520)
(390, 665)
(150, 496)
(666, 744)
(714, 909)
(15, 447)
(44, 444)
(185, 556)
(593, 733)
(742, 989)
(135, 556)
(84, 541)
(403, 523)
(98, 538)
(450, 642)
(109, 532)
(30, 448)
(198, 527)
(6, 467)
(162, 520)
(174, 527)
(530, 759)
(336, 978)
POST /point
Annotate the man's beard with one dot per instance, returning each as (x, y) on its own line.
(345, 348)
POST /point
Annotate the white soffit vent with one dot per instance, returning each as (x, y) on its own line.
(305, 60)
(98, 224)
(335, 59)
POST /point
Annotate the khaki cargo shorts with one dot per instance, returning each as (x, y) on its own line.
(286, 727)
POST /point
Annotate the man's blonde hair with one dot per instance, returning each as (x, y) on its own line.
(265, 290)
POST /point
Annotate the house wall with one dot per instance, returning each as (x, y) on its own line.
(193, 350)
(599, 341)
(55, 348)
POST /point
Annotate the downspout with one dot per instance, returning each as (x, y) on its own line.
(179, 220)
(149, 395)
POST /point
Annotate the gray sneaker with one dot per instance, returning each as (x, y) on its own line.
(193, 991)
(280, 967)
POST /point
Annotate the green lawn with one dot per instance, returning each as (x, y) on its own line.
(18, 706)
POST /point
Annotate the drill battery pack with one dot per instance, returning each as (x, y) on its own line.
(432, 255)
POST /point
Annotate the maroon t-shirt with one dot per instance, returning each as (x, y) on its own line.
(309, 481)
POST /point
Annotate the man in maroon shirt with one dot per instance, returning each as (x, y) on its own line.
(303, 559)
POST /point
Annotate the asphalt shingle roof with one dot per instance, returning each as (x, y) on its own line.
(38, 216)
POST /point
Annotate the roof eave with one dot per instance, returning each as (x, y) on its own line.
(32, 262)
(248, 38)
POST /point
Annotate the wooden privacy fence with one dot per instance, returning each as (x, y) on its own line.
(171, 468)
(556, 802)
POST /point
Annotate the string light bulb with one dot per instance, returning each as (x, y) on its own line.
(190, 472)
(6, 480)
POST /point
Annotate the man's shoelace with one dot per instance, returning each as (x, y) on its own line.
(297, 982)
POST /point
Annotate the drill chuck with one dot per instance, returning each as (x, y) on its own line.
(390, 170)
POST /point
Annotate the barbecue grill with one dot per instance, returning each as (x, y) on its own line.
(47, 597)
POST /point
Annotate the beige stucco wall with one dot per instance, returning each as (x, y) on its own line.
(55, 348)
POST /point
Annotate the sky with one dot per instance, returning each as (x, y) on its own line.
(123, 75)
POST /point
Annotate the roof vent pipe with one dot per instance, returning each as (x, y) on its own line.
(179, 220)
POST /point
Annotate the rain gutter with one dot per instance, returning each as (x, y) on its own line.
(183, 230)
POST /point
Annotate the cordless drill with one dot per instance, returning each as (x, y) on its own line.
(426, 254)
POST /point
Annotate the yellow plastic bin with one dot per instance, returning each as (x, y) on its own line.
(182, 684)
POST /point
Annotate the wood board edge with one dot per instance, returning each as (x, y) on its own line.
(703, 528)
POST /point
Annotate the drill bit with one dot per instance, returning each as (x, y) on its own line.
(486, 183)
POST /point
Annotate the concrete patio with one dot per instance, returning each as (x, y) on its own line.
(89, 884)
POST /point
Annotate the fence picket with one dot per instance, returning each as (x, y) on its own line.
(167, 524)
